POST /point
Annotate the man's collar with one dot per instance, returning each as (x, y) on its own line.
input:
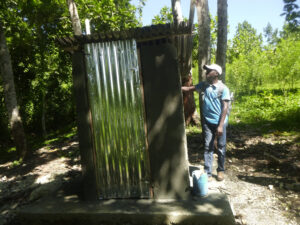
(216, 84)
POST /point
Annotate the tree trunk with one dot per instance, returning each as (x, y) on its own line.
(222, 36)
(15, 120)
(192, 14)
(44, 114)
(84, 132)
(177, 13)
(204, 36)
(189, 106)
(204, 43)
(185, 58)
(74, 17)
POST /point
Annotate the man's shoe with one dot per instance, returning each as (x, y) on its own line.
(220, 176)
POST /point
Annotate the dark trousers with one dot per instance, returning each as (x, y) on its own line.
(209, 134)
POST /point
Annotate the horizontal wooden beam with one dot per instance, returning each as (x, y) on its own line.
(140, 34)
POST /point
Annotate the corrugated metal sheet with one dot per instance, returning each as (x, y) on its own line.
(114, 90)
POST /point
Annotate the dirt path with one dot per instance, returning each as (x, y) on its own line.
(253, 203)
(262, 179)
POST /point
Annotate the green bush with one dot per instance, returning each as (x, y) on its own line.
(270, 108)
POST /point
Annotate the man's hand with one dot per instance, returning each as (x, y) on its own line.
(223, 116)
(219, 130)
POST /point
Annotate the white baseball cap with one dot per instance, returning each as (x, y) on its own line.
(215, 67)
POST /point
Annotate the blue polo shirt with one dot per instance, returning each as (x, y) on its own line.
(212, 106)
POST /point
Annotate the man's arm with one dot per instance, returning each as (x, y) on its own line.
(223, 116)
(188, 88)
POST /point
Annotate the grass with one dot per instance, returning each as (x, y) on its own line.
(268, 110)
(8, 151)
(190, 130)
(277, 86)
(53, 137)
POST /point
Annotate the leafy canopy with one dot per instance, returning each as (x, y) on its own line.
(165, 16)
(42, 71)
(292, 14)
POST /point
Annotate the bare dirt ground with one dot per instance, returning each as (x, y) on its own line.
(262, 178)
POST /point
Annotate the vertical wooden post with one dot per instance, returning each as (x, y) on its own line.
(165, 121)
(84, 126)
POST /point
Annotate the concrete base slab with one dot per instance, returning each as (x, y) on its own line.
(212, 209)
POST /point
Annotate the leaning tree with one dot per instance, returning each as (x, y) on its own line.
(6, 72)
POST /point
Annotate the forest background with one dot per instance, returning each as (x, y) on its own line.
(265, 76)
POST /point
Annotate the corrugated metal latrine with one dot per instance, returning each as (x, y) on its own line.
(118, 127)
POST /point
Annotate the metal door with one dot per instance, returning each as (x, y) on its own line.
(118, 125)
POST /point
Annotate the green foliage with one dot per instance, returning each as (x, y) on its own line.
(140, 11)
(190, 130)
(60, 136)
(271, 35)
(38, 65)
(42, 71)
(292, 15)
(195, 54)
(269, 109)
(16, 163)
(244, 41)
(165, 16)
(251, 66)
(246, 65)
(108, 15)
(245, 74)
(195, 79)
(287, 62)
(53, 141)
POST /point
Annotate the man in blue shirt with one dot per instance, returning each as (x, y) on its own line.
(216, 98)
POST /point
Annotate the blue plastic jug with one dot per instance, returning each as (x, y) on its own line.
(200, 187)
